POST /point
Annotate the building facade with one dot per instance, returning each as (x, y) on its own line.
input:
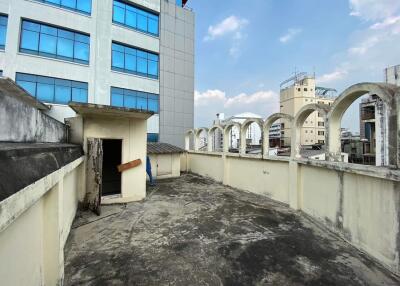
(373, 121)
(392, 75)
(297, 92)
(137, 54)
(253, 135)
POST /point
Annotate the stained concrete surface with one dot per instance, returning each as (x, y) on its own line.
(194, 231)
(22, 164)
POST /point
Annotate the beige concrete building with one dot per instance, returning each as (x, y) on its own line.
(111, 136)
(297, 92)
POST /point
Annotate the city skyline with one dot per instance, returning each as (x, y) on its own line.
(245, 50)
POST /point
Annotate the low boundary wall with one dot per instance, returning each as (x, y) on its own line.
(34, 226)
(360, 203)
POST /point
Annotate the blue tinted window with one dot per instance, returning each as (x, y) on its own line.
(135, 17)
(53, 90)
(83, 6)
(65, 48)
(134, 61)
(152, 137)
(54, 42)
(179, 3)
(3, 31)
(134, 99)
(48, 44)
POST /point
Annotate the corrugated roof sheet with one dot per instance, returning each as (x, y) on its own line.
(162, 148)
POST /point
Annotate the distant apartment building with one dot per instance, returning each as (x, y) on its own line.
(372, 121)
(297, 92)
(392, 75)
(253, 136)
(125, 53)
(218, 136)
(275, 135)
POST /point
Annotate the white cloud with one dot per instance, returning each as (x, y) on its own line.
(291, 33)
(249, 99)
(208, 97)
(386, 23)
(374, 10)
(231, 25)
(211, 102)
(364, 46)
(332, 77)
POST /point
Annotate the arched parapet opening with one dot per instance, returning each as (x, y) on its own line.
(298, 123)
(288, 120)
(201, 139)
(216, 138)
(232, 136)
(189, 139)
(250, 133)
(386, 120)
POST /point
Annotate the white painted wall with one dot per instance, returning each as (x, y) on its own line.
(360, 203)
(133, 135)
(34, 225)
(164, 166)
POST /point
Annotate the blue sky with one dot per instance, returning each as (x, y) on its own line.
(246, 48)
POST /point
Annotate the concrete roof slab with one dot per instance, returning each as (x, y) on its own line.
(194, 231)
(98, 110)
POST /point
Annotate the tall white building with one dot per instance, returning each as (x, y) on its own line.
(137, 54)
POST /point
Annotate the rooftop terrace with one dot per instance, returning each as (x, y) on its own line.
(194, 231)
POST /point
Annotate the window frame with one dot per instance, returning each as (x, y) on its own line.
(3, 47)
(140, 8)
(137, 94)
(76, 10)
(73, 84)
(137, 58)
(37, 52)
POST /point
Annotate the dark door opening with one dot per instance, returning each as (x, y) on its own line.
(112, 157)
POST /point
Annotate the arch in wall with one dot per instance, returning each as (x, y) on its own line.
(227, 129)
(211, 134)
(387, 93)
(267, 125)
(189, 134)
(198, 132)
(243, 132)
(298, 122)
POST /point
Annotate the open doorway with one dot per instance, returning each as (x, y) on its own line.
(112, 157)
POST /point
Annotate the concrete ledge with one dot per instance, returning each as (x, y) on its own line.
(218, 154)
(12, 207)
(371, 171)
(237, 155)
(22, 164)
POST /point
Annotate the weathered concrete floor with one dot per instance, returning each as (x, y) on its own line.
(193, 231)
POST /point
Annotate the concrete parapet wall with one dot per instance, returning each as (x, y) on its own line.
(21, 120)
(34, 226)
(360, 203)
